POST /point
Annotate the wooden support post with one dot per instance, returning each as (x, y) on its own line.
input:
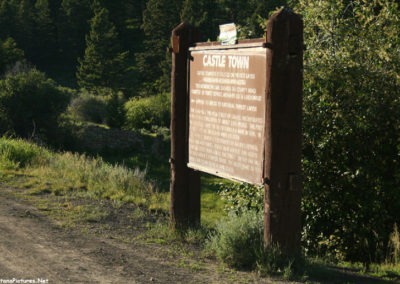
(185, 182)
(282, 223)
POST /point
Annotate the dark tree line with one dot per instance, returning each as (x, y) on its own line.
(86, 37)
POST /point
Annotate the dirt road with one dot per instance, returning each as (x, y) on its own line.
(37, 249)
(34, 247)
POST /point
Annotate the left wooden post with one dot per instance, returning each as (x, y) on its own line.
(185, 182)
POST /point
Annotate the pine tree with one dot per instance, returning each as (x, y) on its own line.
(45, 38)
(72, 27)
(24, 34)
(9, 54)
(159, 18)
(104, 63)
(203, 15)
(8, 14)
(127, 17)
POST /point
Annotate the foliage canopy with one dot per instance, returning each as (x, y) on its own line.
(30, 104)
(351, 127)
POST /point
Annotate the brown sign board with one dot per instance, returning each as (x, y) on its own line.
(227, 88)
(236, 112)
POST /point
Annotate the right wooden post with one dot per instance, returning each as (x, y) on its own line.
(282, 169)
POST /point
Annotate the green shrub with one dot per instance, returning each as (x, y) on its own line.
(148, 112)
(30, 104)
(240, 197)
(103, 107)
(18, 154)
(238, 239)
(115, 109)
(88, 107)
(9, 54)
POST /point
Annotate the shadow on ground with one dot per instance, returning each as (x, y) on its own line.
(331, 274)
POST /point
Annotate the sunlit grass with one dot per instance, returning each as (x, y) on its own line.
(68, 173)
(16, 153)
(92, 177)
(59, 174)
(386, 270)
(211, 208)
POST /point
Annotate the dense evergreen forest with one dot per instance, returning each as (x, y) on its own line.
(68, 62)
(115, 44)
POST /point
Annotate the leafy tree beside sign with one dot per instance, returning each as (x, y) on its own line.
(351, 127)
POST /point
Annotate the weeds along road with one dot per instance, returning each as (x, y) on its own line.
(33, 246)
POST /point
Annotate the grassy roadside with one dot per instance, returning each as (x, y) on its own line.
(76, 188)
(122, 202)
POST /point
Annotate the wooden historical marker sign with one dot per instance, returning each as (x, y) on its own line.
(227, 110)
(236, 112)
